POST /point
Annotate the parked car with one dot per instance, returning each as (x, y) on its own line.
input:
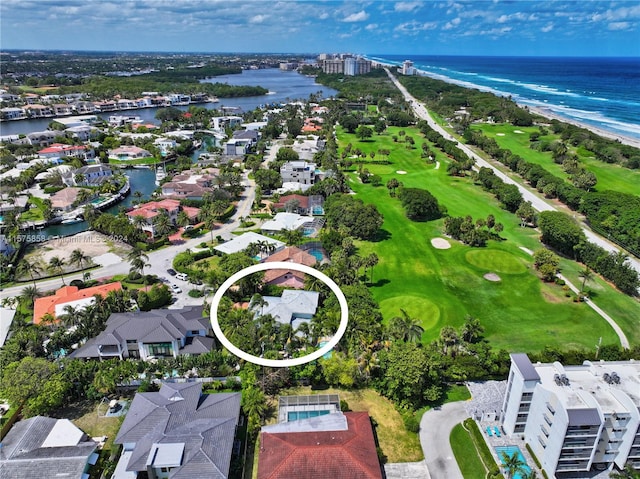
(175, 288)
(182, 276)
(172, 271)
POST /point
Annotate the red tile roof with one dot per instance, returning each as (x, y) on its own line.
(303, 201)
(60, 148)
(349, 454)
(67, 294)
(290, 255)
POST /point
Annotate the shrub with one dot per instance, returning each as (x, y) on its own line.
(77, 282)
(195, 293)
(411, 422)
(344, 406)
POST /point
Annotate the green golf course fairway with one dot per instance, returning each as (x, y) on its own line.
(519, 313)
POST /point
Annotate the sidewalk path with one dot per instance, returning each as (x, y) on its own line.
(435, 429)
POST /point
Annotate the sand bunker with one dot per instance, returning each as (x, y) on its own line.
(401, 172)
(491, 277)
(440, 243)
(499, 134)
(437, 165)
(518, 131)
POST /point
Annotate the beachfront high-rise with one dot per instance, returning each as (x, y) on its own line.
(344, 63)
(575, 418)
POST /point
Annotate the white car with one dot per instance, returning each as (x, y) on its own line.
(182, 276)
(175, 288)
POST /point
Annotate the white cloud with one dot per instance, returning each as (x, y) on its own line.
(406, 6)
(414, 27)
(258, 18)
(361, 16)
(502, 19)
(547, 28)
(452, 24)
(323, 16)
(371, 26)
(616, 26)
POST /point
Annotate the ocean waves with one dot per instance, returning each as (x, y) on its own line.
(602, 92)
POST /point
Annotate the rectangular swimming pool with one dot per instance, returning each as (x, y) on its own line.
(295, 415)
(510, 451)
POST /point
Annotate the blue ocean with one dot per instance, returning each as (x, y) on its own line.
(602, 92)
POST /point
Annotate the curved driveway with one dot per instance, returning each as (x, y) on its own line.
(536, 201)
(435, 429)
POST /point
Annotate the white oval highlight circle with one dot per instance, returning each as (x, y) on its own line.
(279, 363)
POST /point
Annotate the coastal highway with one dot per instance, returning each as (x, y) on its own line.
(536, 201)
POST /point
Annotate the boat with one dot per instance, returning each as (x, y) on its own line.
(160, 175)
(70, 221)
(142, 167)
(213, 99)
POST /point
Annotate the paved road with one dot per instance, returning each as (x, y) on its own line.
(536, 201)
(435, 429)
(159, 260)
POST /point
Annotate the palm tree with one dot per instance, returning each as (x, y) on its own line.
(471, 329)
(137, 195)
(254, 405)
(183, 219)
(47, 209)
(448, 339)
(84, 195)
(292, 237)
(138, 260)
(370, 262)
(78, 258)
(56, 266)
(528, 475)
(162, 223)
(587, 275)
(31, 268)
(627, 473)
(512, 463)
(89, 212)
(139, 221)
(406, 328)
(258, 301)
(30, 293)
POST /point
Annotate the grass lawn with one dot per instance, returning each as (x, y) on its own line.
(610, 176)
(470, 464)
(139, 161)
(84, 415)
(398, 444)
(440, 287)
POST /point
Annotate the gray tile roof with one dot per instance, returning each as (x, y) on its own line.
(156, 326)
(24, 458)
(180, 413)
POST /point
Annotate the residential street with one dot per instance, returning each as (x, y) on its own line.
(536, 201)
(435, 429)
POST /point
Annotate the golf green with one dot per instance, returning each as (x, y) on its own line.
(416, 306)
(495, 260)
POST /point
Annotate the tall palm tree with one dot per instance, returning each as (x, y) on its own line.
(370, 262)
(471, 329)
(84, 195)
(162, 223)
(56, 265)
(30, 267)
(406, 328)
(78, 258)
(254, 405)
(138, 260)
(139, 221)
(512, 464)
(183, 219)
(257, 300)
(30, 293)
(448, 339)
(587, 275)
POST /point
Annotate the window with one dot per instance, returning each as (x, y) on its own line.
(160, 349)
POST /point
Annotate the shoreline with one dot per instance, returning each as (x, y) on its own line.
(538, 110)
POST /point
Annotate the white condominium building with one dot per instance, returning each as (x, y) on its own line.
(575, 418)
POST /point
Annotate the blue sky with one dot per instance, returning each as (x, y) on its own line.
(439, 27)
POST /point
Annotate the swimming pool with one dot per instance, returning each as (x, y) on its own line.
(295, 415)
(510, 451)
(317, 253)
(308, 231)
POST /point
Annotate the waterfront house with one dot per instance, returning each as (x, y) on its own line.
(90, 175)
(105, 106)
(58, 150)
(284, 277)
(190, 184)
(54, 305)
(84, 107)
(12, 113)
(179, 432)
(165, 145)
(149, 211)
(81, 132)
(159, 333)
(121, 120)
(65, 199)
(78, 120)
(240, 243)
(304, 205)
(40, 444)
(220, 123)
(38, 111)
(31, 98)
(18, 204)
(126, 153)
(62, 109)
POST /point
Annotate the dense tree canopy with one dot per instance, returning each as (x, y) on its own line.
(361, 220)
(420, 205)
